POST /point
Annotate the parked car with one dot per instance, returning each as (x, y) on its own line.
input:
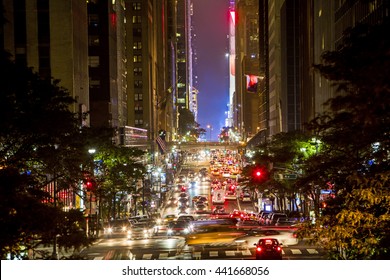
(268, 249)
(274, 217)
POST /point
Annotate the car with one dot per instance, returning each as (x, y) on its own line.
(230, 195)
(201, 205)
(218, 209)
(195, 198)
(188, 218)
(117, 226)
(183, 194)
(169, 218)
(274, 217)
(268, 249)
(172, 202)
(237, 214)
(246, 197)
(142, 230)
(179, 228)
(181, 179)
(203, 199)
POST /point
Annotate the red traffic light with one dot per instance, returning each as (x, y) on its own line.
(90, 185)
(259, 174)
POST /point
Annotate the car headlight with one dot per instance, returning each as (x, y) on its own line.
(109, 230)
(186, 230)
(124, 229)
(169, 231)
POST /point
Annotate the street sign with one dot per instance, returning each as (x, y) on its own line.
(280, 176)
(290, 176)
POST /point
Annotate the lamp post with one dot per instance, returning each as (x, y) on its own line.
(90, 187)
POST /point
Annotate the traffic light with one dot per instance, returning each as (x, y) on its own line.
(90, 184)
(259, 174)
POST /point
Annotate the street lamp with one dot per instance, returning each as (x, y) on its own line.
(210, 128)
(90, 185)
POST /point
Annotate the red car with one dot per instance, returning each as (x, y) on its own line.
(268, 249)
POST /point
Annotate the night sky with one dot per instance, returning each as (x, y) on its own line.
(210, 22)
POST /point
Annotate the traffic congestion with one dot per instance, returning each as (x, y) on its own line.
(208, 209)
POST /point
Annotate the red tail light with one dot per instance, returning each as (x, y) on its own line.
(279, 249)
(258, 249)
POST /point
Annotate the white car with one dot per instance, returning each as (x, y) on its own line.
(286, 237)
(246, 197)
(230, 195)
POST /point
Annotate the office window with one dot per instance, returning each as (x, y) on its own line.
(137, 71)
(138, 84)
(136, 6)
(138, 97)
(137, 45)
(138, 109)
(137, 19)
(93, 61)
(137, 58)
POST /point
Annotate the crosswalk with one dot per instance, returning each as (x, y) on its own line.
(202, 254)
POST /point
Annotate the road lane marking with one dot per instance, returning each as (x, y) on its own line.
(312, 251)
(296, 252)
(147, 256)
(163, 256)
(197, 255)
(213, 253)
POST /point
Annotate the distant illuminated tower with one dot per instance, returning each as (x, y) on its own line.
(232, 57)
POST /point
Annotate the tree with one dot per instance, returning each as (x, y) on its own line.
(38, 146)
(284, 153)
(187, 121)
(355, 157)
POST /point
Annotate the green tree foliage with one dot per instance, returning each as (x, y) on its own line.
(355, 223)
(284, 153)
(187, 121)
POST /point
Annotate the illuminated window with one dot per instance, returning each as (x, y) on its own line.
(136, 6)
(137, 19)
(138, 84)
(138, 109)
(137, 45)
(137, 58)
(93, 61)
(138, 97)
